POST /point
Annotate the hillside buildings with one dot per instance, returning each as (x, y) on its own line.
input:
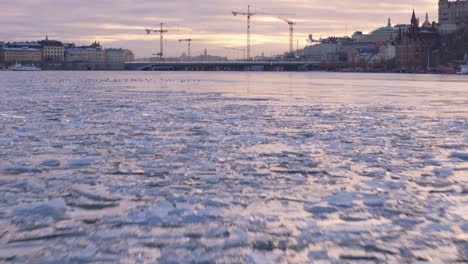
(380, 36)
(403, 47)
(453, 15)
(453, 12)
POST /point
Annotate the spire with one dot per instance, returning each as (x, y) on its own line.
(414, 20)
(389, 24)
(426, 23)
(46, 37)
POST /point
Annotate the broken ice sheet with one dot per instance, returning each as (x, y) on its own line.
(232, 167)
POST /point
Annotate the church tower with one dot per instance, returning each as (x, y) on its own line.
(414, 29)
(414, 20)
(426, 23)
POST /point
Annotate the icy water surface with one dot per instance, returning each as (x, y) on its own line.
(133, 167)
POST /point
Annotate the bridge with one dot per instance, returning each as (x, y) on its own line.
(224, 66)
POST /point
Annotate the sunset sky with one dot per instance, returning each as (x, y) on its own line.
(121, 23)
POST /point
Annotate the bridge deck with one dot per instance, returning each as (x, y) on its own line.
(224, 65)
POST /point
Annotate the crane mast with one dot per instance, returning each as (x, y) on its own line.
(291, 33)
(188, 41)
(161, 32)
(249, 15)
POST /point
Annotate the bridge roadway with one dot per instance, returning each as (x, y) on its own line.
(224, 66)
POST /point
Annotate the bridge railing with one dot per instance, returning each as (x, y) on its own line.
(222, 62)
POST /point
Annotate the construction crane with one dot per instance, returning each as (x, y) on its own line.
(238, 49)
(249, 15)
(188, 41)
(291, 32)
(161, 32)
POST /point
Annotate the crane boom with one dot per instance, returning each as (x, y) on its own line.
(249, 14)
(161, 32)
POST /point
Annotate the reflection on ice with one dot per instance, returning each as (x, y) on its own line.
(233, 168)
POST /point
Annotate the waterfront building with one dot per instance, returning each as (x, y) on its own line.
(329, 50)
(416, 48)
(119, 55)
(52, 50)
(91, 53)
(10, 55)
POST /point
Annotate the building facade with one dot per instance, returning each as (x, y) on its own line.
(83, 54)
(52, 50)
(416, 49)
(20, 55)
(119, 55)
(453, 12)
(329, 50)
(91, 53)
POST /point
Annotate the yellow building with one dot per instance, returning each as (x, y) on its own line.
(20, 55)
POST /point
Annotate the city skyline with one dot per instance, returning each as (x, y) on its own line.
(210, 25)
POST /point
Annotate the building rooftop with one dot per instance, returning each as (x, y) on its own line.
(24, 44)
(49, 43)
(388, 30)
(81, 49)
(18, 49)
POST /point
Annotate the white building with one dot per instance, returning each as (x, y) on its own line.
(388, 51)
(324, 52)
(85, 54)
(119, 55)
(329, 50)
(91, 53)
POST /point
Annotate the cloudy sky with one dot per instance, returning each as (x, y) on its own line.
(121, 23)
